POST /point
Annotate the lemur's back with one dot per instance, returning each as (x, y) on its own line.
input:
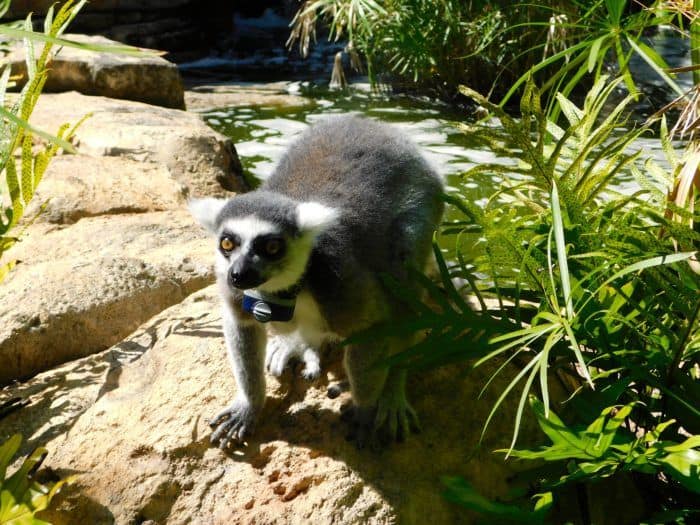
(388, 194)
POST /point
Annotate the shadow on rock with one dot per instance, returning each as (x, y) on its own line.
(139, 433)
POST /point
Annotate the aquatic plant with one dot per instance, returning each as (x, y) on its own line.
(581, 42)
(432, 45)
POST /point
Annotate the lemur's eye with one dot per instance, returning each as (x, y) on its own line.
(272, 247)
(227, 244)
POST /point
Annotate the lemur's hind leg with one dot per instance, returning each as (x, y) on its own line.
(283, 348)
(381, 412)
(395, 418)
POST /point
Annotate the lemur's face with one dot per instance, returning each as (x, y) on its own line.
(268, 249)
(255, 253)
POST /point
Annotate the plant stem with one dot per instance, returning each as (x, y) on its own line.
(695, 41)
(673, 369)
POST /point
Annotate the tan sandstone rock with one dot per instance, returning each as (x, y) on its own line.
(204, 161)
(77, 186)
(207, 97)
(137, 435)
(146, 78)
(81, 289)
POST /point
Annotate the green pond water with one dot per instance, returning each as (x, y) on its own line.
(262, 133)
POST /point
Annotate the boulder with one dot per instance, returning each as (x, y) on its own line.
(145, 78)
(201, 159)
(78, 186)
(279, 94)
(83, 288)
(132, 422)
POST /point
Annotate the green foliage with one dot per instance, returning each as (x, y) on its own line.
(579, 281)
(431, 44)
(605, 447)
(491, 46)
(460, 491)
(589, 35)
(21, 497)
(24, 174)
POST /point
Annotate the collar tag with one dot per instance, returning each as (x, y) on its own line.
(267, 307)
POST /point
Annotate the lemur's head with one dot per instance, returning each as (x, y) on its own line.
(264, 239)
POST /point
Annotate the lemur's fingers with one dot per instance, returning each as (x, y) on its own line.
(219, 417)
(278, 362)
(413, 420)
(394, 419)
(223, 427)
(268, 359)
(312, 364)
(235, 434)
(381, 416)
(232, 424)
(394, 433)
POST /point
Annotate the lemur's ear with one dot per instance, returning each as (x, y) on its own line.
(315, 217)
(205, 211)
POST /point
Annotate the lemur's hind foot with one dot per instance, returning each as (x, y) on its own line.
(391, 419)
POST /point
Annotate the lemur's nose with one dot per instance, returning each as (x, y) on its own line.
(243, 276)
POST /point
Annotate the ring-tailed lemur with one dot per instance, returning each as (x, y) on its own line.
(350, 200)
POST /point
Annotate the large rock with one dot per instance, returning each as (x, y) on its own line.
(195, 155)
(78, 186)
(81, 289)
(279, 94)
(137, 435)
(145, 78)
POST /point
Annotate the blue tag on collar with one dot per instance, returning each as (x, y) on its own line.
(267, 308)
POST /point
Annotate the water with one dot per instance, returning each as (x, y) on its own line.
(262, 133)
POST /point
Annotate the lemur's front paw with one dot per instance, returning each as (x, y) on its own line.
(233, 423)
(280, 350)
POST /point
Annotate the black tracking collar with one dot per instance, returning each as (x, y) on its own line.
(268, 307)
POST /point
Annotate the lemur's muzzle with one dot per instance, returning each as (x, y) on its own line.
(243, 275)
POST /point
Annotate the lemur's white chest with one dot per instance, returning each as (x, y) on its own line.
(308, 323)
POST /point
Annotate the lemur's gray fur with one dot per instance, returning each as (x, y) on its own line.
(351, 200)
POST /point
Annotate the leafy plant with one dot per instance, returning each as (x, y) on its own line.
(580, 280)
(601, 450)
(432, 45)
(604, 448)
(21, 496)
(15, 132)
(594, 31)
